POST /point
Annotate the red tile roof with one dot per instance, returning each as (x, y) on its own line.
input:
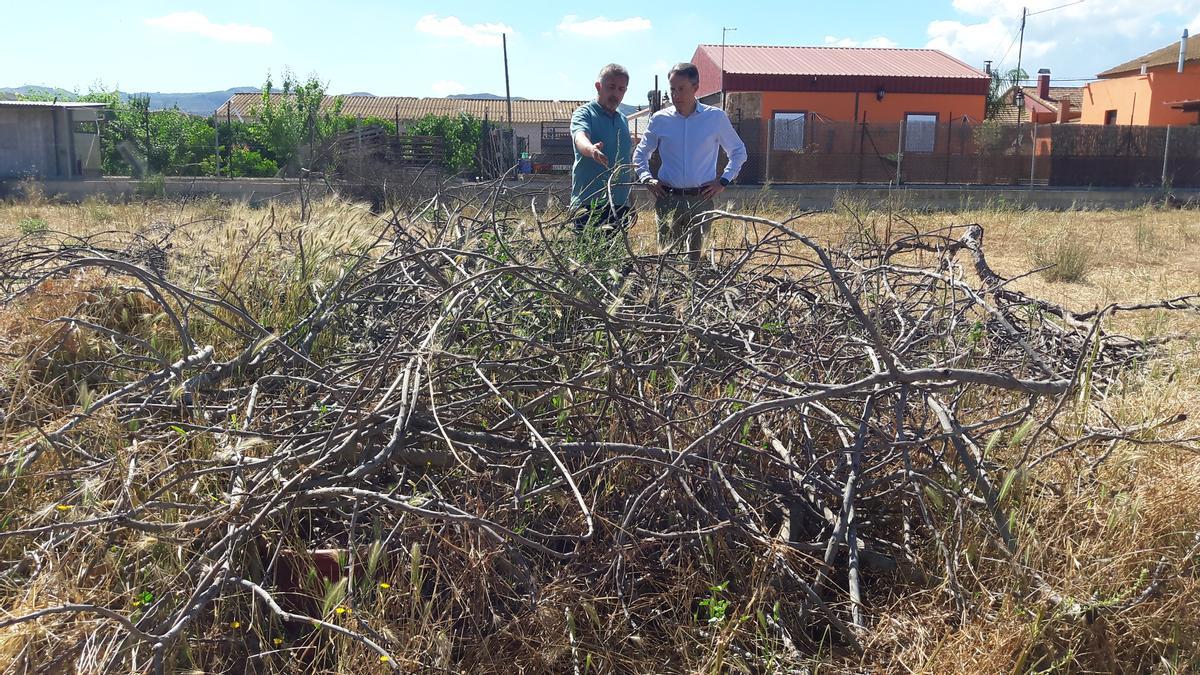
(844, 61)
(527, 111)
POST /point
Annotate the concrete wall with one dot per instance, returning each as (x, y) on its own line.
(27, 142)
(542, 188)
(41, 141)
(248, 189)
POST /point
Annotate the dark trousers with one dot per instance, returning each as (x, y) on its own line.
(606, 218)
(679, 225)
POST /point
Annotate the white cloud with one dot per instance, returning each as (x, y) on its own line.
(978, 42)
(879, 42)
(479, 34)
(1194, 26)
(990, 26)
(600, 27)
(198, 24)
(447, 87)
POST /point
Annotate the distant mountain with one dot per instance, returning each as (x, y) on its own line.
(625, 108)
(197, 103)
(205, 102)
(35, 90)
(486, 97)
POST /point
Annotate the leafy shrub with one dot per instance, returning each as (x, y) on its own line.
(33, 225)
(461, 134)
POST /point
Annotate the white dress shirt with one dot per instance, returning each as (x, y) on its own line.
(688, 146)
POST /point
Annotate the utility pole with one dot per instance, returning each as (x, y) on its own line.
(508, 98)
(1020, 94)
(724, 30)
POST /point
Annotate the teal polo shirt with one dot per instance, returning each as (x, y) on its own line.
(589, 180)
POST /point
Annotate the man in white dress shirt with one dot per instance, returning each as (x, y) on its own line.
(687, 136)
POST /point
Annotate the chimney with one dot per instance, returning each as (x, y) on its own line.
(1044, 84)
(1064, 110)
(1183, 50)
(987, 68)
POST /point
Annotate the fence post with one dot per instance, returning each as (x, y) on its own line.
(899, 152)
(949, 143)
(1166, 154)
(1032, 155)
(217, 142)
(862, 139)
(770, 145)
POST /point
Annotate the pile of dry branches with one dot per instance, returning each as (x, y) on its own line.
(508, 418)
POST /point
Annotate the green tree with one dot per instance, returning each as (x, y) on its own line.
(999, 88)
(292, 121)
(460, 133)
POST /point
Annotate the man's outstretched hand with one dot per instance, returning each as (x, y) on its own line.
(598, 155)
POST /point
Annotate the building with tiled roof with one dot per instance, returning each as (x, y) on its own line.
(1156, 89)
(1043, 104)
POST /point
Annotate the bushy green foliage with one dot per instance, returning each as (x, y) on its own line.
(294, 120)
(461, 134)
(243, 162)
(140, 142)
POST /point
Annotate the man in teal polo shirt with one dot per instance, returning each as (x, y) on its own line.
(602, 154)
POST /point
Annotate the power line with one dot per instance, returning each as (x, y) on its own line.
(1020, 27)
(1043, 11)
(1016, 33)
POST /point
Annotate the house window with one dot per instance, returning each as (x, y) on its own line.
(1110, 117)
(920, 132)
(789, 131)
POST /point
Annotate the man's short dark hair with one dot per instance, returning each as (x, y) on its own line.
(688, 70)
(612, 70)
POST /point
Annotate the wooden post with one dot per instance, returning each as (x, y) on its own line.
(508, 100)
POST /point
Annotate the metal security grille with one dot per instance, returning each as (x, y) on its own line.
(920, 133)
(789, 131)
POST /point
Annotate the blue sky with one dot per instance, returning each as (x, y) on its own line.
(555, 49)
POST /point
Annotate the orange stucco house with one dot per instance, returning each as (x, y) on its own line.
(844, 84)
(785, 100)
(1155, 89)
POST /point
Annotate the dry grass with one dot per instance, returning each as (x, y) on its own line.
(1095, 535)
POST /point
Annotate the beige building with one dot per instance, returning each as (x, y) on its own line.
(52, 140)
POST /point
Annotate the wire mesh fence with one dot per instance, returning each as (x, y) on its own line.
(799, 148)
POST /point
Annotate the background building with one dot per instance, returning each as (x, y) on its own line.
(50, 140)
(1155, 89)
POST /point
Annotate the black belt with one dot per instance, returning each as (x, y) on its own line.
(686, 192)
